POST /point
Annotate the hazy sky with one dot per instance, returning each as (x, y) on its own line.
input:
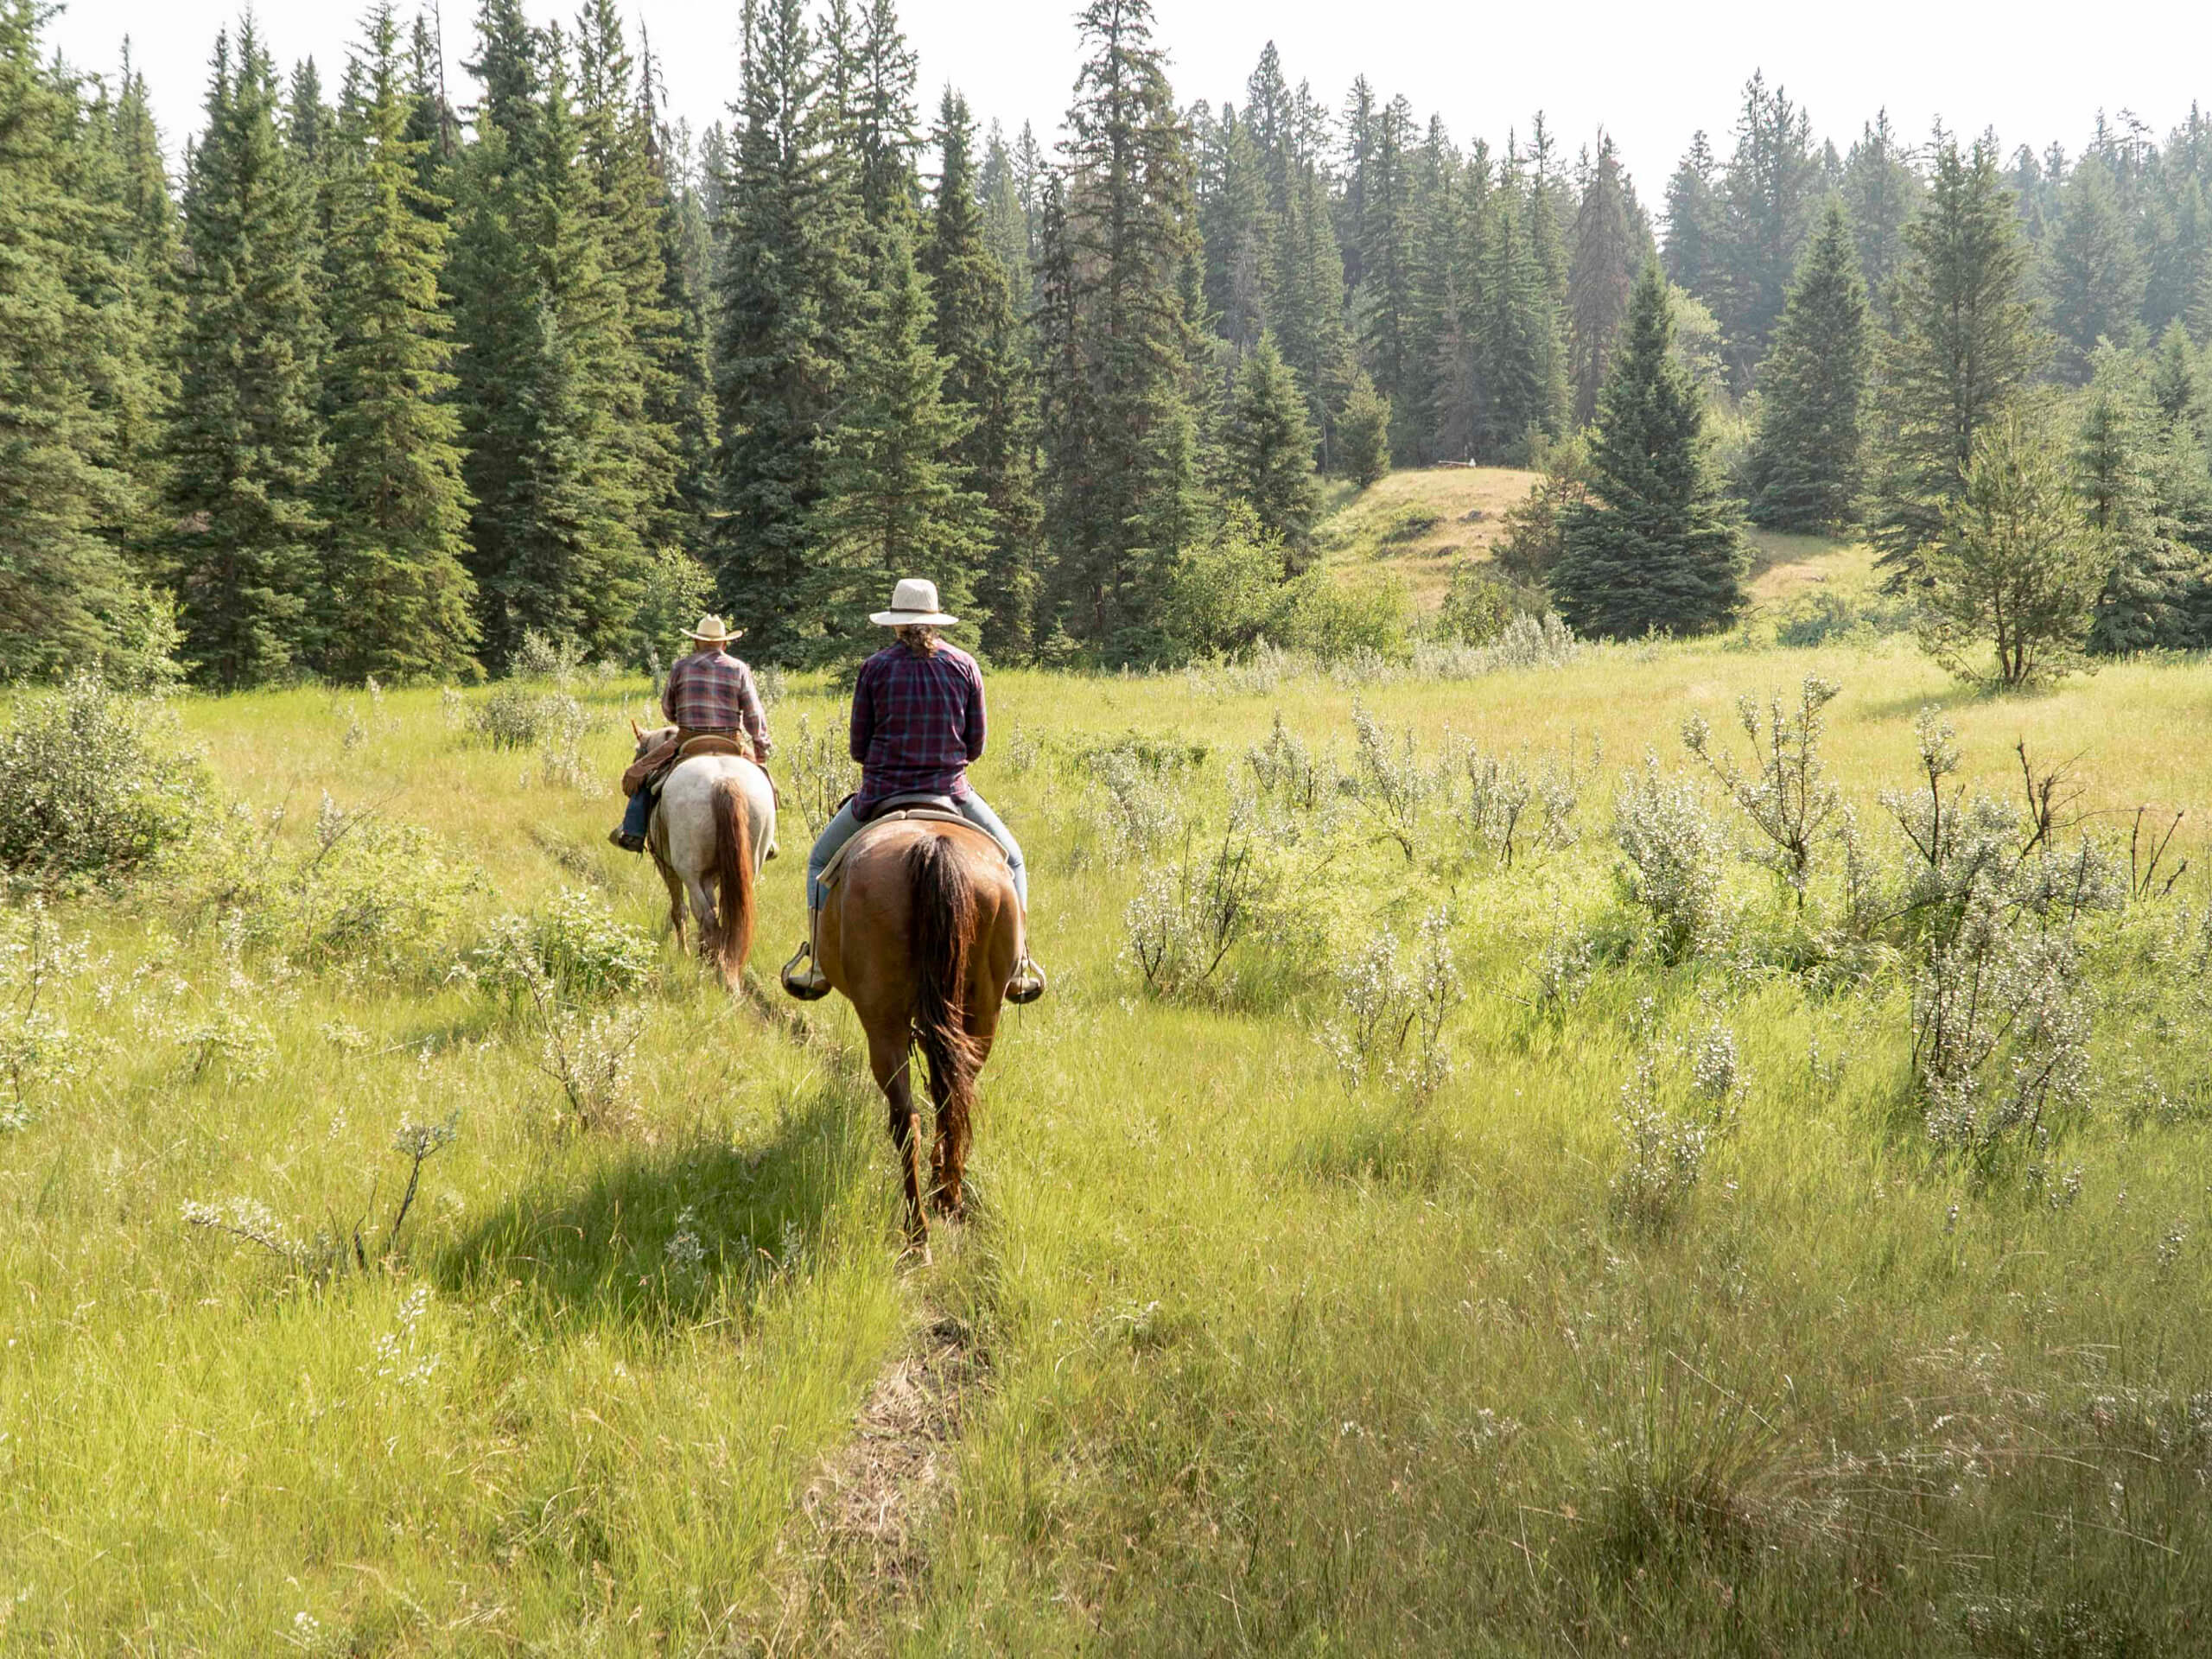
(1651, 74)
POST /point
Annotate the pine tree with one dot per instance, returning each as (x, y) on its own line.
(2093, 272)
(541, 321)
(1767, 195)
(1433, 322)
(1270, 452)
(1805, 465)
(790, 291)
(647, 375)
(1384, 301)
(1365, 433)
(1880, 191)
(893, 502)
(1518, 335)
(1119, 429)
(1657, 548)
(1600, 275)
(431, 122)
(976, 331)
(684, 403)
(1006, 221)
(399, 600)
(245, 457)
(1305, 304)
(2123, 447)
(1965, 344)
(60, 579)
(1694, 228)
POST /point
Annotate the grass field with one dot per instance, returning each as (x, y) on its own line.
(1414, 525)
(1242, 1353)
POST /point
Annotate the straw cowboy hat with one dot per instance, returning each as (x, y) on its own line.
(710, 631)
(913, 604)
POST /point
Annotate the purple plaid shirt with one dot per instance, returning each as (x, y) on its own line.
(918, 720)
(712, 692)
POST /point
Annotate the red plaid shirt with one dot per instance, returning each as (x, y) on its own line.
(712, 692)
(918, 720)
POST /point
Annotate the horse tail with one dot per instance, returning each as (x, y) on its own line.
(943, 923)
(732, 941)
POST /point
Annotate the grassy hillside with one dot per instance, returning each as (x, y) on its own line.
(1269, 1337)
(1414, 524)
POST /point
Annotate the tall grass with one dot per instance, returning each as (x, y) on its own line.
(1285, 1356)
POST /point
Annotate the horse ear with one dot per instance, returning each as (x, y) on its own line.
(636, 730)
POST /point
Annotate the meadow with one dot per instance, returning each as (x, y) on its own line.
(1400, 1229)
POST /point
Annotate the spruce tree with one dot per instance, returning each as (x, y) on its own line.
(61, 579)
(1656, 549)
(1880, 191)
(1364, 433)
(1006, 221)
(1517, 333)
(1805, 464)
(1965, 344)
(1600, 274)
(1767, 195)
(893, 502)
(1693, 227)
(1384, 301)
(1119, 429)
(977, 331)
(2122, 463)
(399, 600)
(2093, 271)
(245, 455)
(790, 291)
(1270, 452)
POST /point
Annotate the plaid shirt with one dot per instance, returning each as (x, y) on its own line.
(918, 720)
(712, 692)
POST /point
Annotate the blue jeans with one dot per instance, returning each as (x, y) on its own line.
(638, 813)
(842, 828)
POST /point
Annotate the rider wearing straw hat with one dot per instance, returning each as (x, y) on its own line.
(918, 720)
(708, 693)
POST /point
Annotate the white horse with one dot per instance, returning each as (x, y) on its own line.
(715, 828)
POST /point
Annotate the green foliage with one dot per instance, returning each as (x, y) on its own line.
(1223, 594)
(95, 787)
(2018, 567)
(573, 946)
(1535, 536)
(245, 457)
(399, 603)
(1657, 547)
(2093, 272)
(676, 592)
(1364, 434)
(1964, 346)
(1270, 451)
(1805, 465)
(1477, 606)
(2125, 472)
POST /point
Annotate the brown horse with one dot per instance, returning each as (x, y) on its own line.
(921, 931)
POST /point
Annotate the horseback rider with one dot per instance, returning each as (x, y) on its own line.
(918, 721)
(708, 693)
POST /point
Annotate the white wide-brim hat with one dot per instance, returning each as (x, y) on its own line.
(913, 604)
(712, 632)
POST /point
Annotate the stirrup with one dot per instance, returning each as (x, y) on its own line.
(1028, 982)
(809, 984)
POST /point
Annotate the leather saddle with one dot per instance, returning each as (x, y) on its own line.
(901, 809)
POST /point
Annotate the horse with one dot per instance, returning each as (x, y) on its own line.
(920, 931)
(713, 831)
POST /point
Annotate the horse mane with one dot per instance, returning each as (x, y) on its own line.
(943, 922)
(730, 939)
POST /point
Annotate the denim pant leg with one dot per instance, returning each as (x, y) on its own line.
(977, 811)
(638, 813)
(834, 834)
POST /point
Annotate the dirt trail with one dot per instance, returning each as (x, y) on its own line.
(852, 1556)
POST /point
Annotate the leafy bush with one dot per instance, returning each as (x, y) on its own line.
(1189, 915)
(547, 657)
(574, 949)
(93, 786)
(1826, 617)
(1391, 1014)
(1223, 593)
(1674, 850)
(515, 717)
(1477, 606)
(1534, 533)
(39, 1053)
(677, 589)
(1336, 621)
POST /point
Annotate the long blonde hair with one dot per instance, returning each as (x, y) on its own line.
(919, 637)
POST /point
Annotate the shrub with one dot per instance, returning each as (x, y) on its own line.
(1223, 593)
(1534, 537)
(1477, 606)
(1787, 795)
(1336, 621)
(38, 1052)
(1391, 1015)
(572, 950)
(1388, 782)
(93, 786)
(1364, 432)
(1666, 1150)
(1189, 915)
(515, 717)
(677, 588)
(547, 657)
(1674, 850)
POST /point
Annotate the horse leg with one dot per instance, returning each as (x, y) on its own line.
(702, 909)
(674, 901)
(888, 1057)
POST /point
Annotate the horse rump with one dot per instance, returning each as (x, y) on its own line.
(730, 939)
(943, 923)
